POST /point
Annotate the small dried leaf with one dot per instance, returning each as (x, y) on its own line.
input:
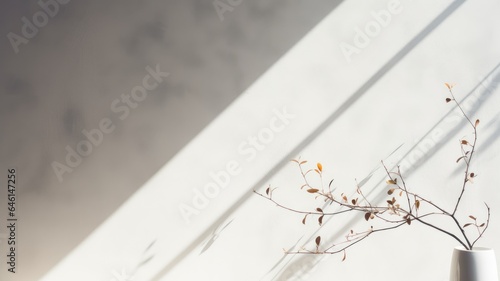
(482, 225)
(472, 217)
(318, 240)
(448, 86)
(319, 210)
(448, 99)
(417, 204)
(392, 201)
(320, 220)
(267, 191)
(477, 123)
(320, 167)
(408, 220)
(472, 175)
(401, 193)
(460, 158)
(343, 258)
(391, 182)
(345, 198)
(467, 224)
(354, 201)
(367, 216)
(304, 219)
(352, 231)
(302, 162)
(464, 142)
(312, 190)
(390, 191)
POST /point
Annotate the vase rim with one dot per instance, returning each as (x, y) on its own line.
(475, 249)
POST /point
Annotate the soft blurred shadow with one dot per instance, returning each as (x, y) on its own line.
(64, 79)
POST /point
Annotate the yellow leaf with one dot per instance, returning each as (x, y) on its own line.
(320, 167)
(391, 182)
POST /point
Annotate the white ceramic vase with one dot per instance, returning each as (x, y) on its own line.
(478, 264)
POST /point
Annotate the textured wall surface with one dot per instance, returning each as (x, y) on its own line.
(85, 56)
(121, 119)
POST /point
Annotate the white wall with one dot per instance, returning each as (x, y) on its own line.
(347, 115)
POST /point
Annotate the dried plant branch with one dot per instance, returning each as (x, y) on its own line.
(467, 158)
(299, 211)
(392, 212)
(485, 226)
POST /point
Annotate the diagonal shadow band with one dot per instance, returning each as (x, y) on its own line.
(320, 128)
(483, 97)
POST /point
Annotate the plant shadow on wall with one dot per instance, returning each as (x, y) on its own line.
(402, 207)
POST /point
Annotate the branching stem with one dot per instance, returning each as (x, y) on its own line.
(391, 213)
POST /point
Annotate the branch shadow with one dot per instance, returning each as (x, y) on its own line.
(317, 131)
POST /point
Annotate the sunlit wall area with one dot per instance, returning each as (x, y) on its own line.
(388, 103)
(363, 90)
(95, 97)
